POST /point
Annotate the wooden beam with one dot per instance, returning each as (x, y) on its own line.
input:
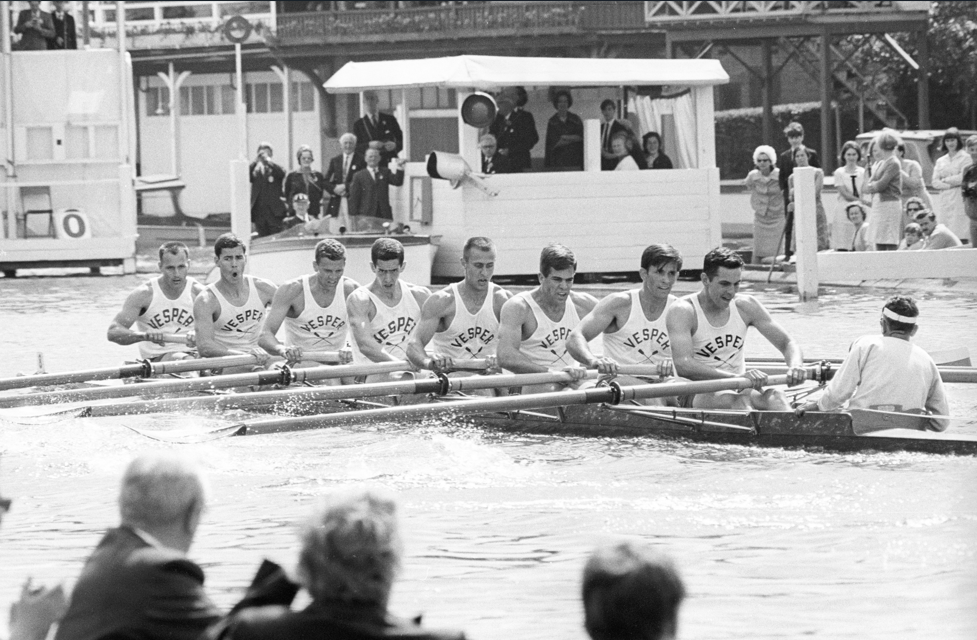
(827, 155)
(923, 84)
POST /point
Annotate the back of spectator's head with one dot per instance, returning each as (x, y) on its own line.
(351, 548)
(886, 140)
(162, 491)
(522, 96)
(794, 130)
(631, 592)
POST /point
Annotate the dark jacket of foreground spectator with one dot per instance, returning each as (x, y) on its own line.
(35, 29)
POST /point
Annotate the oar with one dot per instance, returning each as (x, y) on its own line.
(612, 395)
(436, 386)
(283, 377)
(135, 370)
(947, 374)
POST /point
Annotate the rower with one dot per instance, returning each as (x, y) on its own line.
(888, 372)
(633, 322)
(384, 314)
(534, 325)
(707, 332)
(228, 313)
(463, 318)
(313, 309)
(163, 306)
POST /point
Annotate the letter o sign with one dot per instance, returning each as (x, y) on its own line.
(73, 225)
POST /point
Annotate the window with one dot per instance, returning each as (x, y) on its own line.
(158, 101)
(303, 96)
(205, 100)
(425, 98)
(182, 12)
(265, 97)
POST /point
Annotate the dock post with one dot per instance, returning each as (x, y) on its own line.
(806, 233)
(241, 200)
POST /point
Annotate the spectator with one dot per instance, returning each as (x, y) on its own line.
(631, 592)
(514, 129)
(621, 148)
(299, 211)
(655, 158)
(564, 136)
(64, 28)
(913, 206)
(912, 240)
(968, 188)
(848, 180)
(883, 181)
(377, 130)
(350, 554)
(938, 236)
(763, 183)
(267, 208)
(855, 212)
(305, 180)
(492, 161)
(609, 127)
(913, 184)
(947, 177)
(35, 27)
(139, 583)
(342, 168)
(38, 608)
(801, 160)
(369, 195)
(795, 138)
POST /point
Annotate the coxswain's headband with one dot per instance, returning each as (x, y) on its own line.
(892, 315)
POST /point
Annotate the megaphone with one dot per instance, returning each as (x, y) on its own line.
(453, 168)
(479, 109)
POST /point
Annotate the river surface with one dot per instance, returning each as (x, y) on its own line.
(771, 543)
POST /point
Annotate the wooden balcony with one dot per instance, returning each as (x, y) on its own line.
(491, 19)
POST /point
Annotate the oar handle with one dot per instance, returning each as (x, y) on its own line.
(325, 357)
(475, 364)
(173, 338)
(200, 364)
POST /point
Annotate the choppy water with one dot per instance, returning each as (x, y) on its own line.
(772, 543)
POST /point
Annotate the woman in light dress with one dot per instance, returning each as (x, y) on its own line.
(620, 148)
(947, 176)
(801, 160)
(767, 201)
(848, 183)
(884, 182)
(913, 183)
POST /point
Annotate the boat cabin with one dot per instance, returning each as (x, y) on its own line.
(606, 217)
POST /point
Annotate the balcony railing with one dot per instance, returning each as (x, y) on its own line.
(671, 11)
(445, 21)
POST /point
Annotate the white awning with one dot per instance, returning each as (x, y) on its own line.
(494, 72)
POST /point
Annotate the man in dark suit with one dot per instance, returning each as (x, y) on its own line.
(369, 194)
(267, 206)
(139, 583)
(515, 131)
(338, 178)
(609, 126)
(378, 127)
(35, 27)
(64, 28)
(795, 138)
(492, 162)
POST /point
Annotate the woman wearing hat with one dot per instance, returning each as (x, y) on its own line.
(306, 181)
(767, 200)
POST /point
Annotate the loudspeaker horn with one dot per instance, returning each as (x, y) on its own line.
(479, 109)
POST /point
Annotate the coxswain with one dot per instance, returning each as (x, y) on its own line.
(384, 314)
(534, 325)
(707, 333)
(632, 323)
(313, 310)
(888, 372)
(160, 308)
(461, 322)
(228, 313)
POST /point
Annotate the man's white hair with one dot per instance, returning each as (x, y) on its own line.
(347, 136)
(159, 489)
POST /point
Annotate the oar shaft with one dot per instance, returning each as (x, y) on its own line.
(199, 364)
(947, 374)
(49, 379)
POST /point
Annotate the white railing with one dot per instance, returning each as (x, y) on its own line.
(671, 10)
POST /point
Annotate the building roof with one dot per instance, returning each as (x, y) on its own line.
(493, 72)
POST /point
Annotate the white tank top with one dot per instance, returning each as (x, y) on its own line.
(719, 347)
(547, 347)
(319, 328)
(168, 316)
(393, 326)
(639, 341)
(238, 328)
(470, 335)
